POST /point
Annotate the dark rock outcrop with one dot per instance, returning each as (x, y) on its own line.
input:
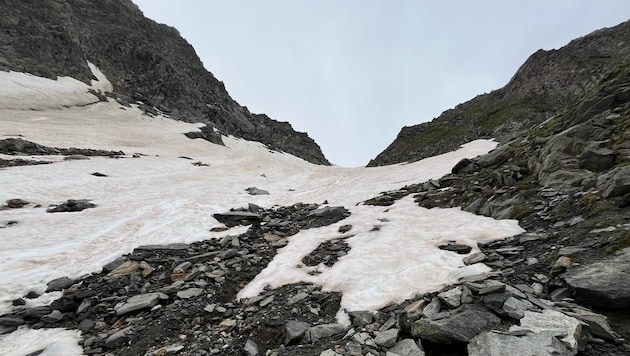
(147, 63)
(547, 83)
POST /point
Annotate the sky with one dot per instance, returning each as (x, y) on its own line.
(352, 73)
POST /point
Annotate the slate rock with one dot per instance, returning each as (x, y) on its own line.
(596, 324)
(452, 297)
(256, 191)
(495, 344)
(189, 293)
(294, 331)
(567, 328)
(603, 284)
(457, 248)
(86, 325)
(318, 332)
(59, 284)
(386, 338)
(251, 349)
(137, 302)
(615, 183)
(54, 317)
(16, 203)
(459, 325)
(361, 318)
(11, 321)
(235, 218)
(118, 338)
(405, 347)
(71, 205)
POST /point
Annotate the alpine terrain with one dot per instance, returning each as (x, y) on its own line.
(145, 212)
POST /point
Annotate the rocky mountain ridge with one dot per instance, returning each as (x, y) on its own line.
(545, 85)
(145, 61)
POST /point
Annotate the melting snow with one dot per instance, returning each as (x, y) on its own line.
(162, 198)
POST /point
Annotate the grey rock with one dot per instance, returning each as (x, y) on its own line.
(452, 297)
(318, 332)
(405, 347)
(615, 183)
(475, 258)
(54, 317)
(329, 352)
(86, 325)
(597, 159)
(234, 218)
(459, 325)
(457, 248)
(567, 328)
(251, 349)
(464, 166)
(495, 344)
(515, 308)
(256, 191)
(137, 302)
(59, 284)
(189, 293)
(298, 297)
(345, 228)
(386, 338)
(16, 203)
(432, 308)
(118, 338)
(11, 321)
(596, 324)
(361, 318)
(71, 205)
(605, 283)
(127, 268)
(38, 312)
(294, 331)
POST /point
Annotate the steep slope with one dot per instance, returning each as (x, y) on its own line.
(547, 83)
(145, 61)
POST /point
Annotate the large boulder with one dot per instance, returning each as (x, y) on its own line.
(605, 283)
(615, 183)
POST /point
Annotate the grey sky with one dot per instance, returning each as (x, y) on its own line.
(352, 73)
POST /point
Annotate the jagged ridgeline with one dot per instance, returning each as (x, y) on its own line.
(547, 84)
(145, 61)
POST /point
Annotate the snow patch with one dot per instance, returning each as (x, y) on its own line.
(25, 91)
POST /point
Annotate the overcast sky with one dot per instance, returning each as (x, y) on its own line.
(352, 73)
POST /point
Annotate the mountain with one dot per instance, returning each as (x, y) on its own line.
(546, 84)
(145, 61)
(121, 235)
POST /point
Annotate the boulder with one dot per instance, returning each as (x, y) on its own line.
(459, 325)
(566, 328)
(615, 183)
(603, 284)
(59, 284)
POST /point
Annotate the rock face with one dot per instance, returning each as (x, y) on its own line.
(145, 61)
(547, 83)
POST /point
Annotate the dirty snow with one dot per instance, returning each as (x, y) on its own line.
(162, 198)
